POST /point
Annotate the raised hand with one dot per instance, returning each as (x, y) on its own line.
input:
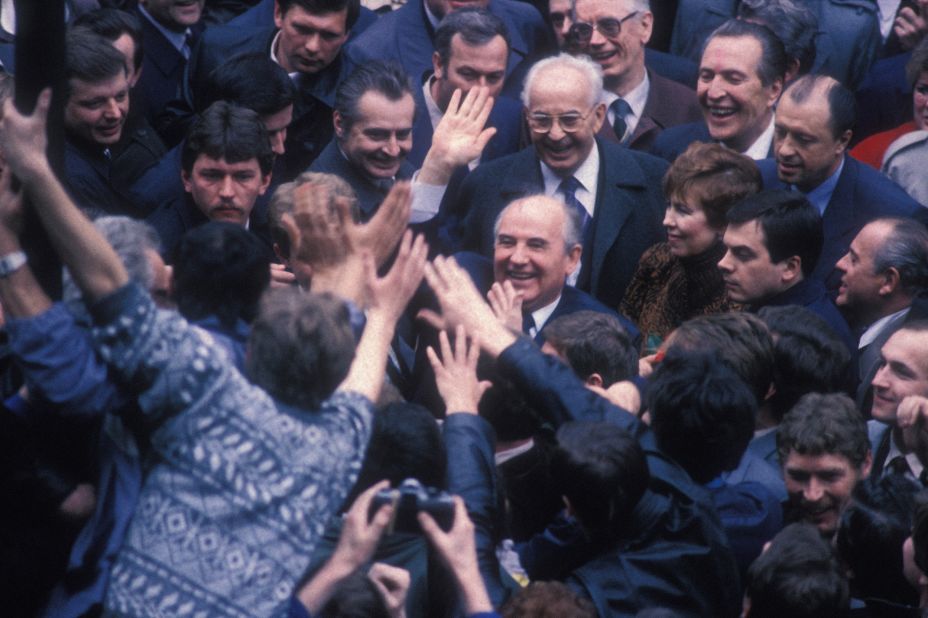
(391, 293)
(912, 419)
(456, 373)
(383, 232)
(911, 25)
(506, 303)
(23, 138)
(460, 137)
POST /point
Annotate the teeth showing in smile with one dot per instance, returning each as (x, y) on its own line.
(721, 112)
(520, 276)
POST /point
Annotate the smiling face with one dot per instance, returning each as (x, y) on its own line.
(820, 486)
(380, 137)
(861, 286)
(920, 101)
(556, 91)
(621, 57)
(225, 191)
(688, 230)
(176, 15)
(903, 371)
(309, 42)
(736, 105)
(470, 66)
(96, 111)
(750, 276)
(529, 251)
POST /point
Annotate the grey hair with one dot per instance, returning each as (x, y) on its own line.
(130, 239)
(905, 248)
(572, 225)
(581, 64)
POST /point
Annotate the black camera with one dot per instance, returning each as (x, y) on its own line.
(410, 498)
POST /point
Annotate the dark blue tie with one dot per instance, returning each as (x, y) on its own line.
(528, 323)
(569, 188)
(620, 109)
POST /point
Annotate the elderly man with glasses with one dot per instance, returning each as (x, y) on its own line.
(639, 103)
(616, 191)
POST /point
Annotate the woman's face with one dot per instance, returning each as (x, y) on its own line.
(920, 101)
(688, 231)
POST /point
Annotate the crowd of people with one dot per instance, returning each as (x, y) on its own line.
(469, 308)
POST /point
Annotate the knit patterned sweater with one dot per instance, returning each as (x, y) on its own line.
(243, 486)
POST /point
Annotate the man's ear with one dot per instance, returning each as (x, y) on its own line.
(866, 465)
(594, 379)
(436, 65)
(573, 257)
(185, 178)
(278, 14)
(843, 141)
(890, 281)
(647, 27)
(792, 271)
(339, 123)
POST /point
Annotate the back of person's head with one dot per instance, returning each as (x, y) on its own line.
(905, 248)
(388, 79)
(791, 21)
(791, 225)
(773, 58)
(741, 340)
(798, 577)
(355, 597)
(602, 472)
(221, 270)
(477, 27)
(505, 408)
(824, 425)
(301, 346)
(352, 8)
(702, 413)
(91, 58)
(111, 24)
(808, 356)
(229, 132)
(713, 176)
(870, 536)
(842, 104)
(252, 81)
(405, 443)
(594, 342)
(547, 600)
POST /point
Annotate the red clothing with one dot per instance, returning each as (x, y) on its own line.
(872, 149)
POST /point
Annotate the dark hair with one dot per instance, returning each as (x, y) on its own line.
(741, 340)
(504, 406)
(798, 577)
(808, 356)
(918, 63)
(112, 24)
(702, 413)
(905, 248)
(91, 58)
(355, 597)
(226, 131)
(714, 175)
(870, 535)
(387, 78)
(792, 22)
(251, 80)
(602, 471)
(842, 104)
(352, 8)
(220, 269)
(301, 346)
(824, 425)
(773, 60)
(920, 530)
(405, 443)
(477, 27)
(548, 600)
(594, 342)
(791, 225)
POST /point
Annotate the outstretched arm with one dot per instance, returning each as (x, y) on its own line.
(20, 293)
(96, 268)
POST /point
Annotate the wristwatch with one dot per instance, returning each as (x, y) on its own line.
(11, 262)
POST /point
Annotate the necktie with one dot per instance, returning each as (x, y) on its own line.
(528, 324)
(620, 109)
(188, 45)
(569, 188)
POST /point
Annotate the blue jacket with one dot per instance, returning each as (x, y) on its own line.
(87, 177)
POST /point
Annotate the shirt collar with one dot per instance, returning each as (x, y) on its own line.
(542, 315)
(636, 98)
(587, 174)
(293, 76)
(435, 114)
(874, 329)
(429, 15)
(915, 466)
(760, 149)
(821, 195)
(176, 39)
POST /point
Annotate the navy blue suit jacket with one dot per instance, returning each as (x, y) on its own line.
(679, 69)
(261, 15)
(811, 294)
(406, 35)
(506, 117)
(671, 143)
(163, 68)
(628, 213)
(87, 177)
(862, 195)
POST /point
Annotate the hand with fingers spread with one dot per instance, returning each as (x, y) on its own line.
(460, 137)
(506, 303)
(383, 232)
(458, 550)
(456, 373)
(911, 25)
(393, 585)
(391, 293)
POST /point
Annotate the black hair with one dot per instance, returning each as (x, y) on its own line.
(773, 60)
(594, 342)
(477, 27)
(842, 104)
(824, 425)
(91, 58)
(226, 131)
(220, 269)
(791, 21)
(249, 80)
(352, 8)
(112, 24)
(702, 413)
(791, 225)
(386, 78)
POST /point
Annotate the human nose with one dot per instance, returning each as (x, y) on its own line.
(716, 89)
(392, 146)
(277, 141)
(597, 38)
(842, 263)
(669, 219)
(725, 263)
(312, 43)
(518, 255)
(785, 147)
(813, 491)
(112, 109)
(879, 379)
(226, 187)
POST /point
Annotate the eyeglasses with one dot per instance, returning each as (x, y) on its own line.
(581, 33)
(571, 122)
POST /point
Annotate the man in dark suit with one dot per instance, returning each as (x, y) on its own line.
(883, 275)
(169, 31)
(813, 128)
(306, 40)
(640, 103)
(407, 35)
(616, 191)
(742, 72)
(471, 49)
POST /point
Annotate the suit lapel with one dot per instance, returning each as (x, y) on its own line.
(414, 38)
(523, 178)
